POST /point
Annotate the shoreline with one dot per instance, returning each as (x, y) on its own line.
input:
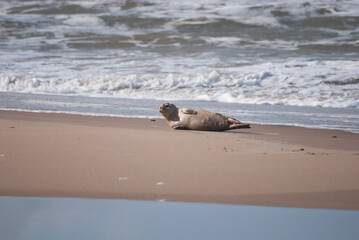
(159, 116)
(64, 155)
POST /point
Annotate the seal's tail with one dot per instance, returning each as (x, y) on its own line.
(235, 124)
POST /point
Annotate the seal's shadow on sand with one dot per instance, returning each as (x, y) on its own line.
(252, 133)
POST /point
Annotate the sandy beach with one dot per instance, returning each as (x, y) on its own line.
(63, 155)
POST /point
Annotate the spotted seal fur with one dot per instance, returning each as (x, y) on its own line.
(193, 119)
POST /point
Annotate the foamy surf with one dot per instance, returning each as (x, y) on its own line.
(295, 83)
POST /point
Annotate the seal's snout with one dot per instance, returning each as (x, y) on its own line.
(164, 107)
(161, 109)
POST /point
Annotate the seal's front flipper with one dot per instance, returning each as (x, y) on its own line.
(188, 111)
(178, 127)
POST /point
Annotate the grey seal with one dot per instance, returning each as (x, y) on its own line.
(193, 119)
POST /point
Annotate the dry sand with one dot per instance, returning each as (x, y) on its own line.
(106, 157)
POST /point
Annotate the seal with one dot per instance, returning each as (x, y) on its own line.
(193, 119)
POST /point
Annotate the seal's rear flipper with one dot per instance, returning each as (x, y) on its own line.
(237, 124)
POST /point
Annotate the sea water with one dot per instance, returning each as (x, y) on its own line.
(292, 62)
(72, 218)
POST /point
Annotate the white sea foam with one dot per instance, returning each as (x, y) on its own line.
(301, 83)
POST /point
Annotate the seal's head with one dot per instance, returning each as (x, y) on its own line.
(167, 109)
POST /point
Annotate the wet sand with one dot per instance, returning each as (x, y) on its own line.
(61, 155)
